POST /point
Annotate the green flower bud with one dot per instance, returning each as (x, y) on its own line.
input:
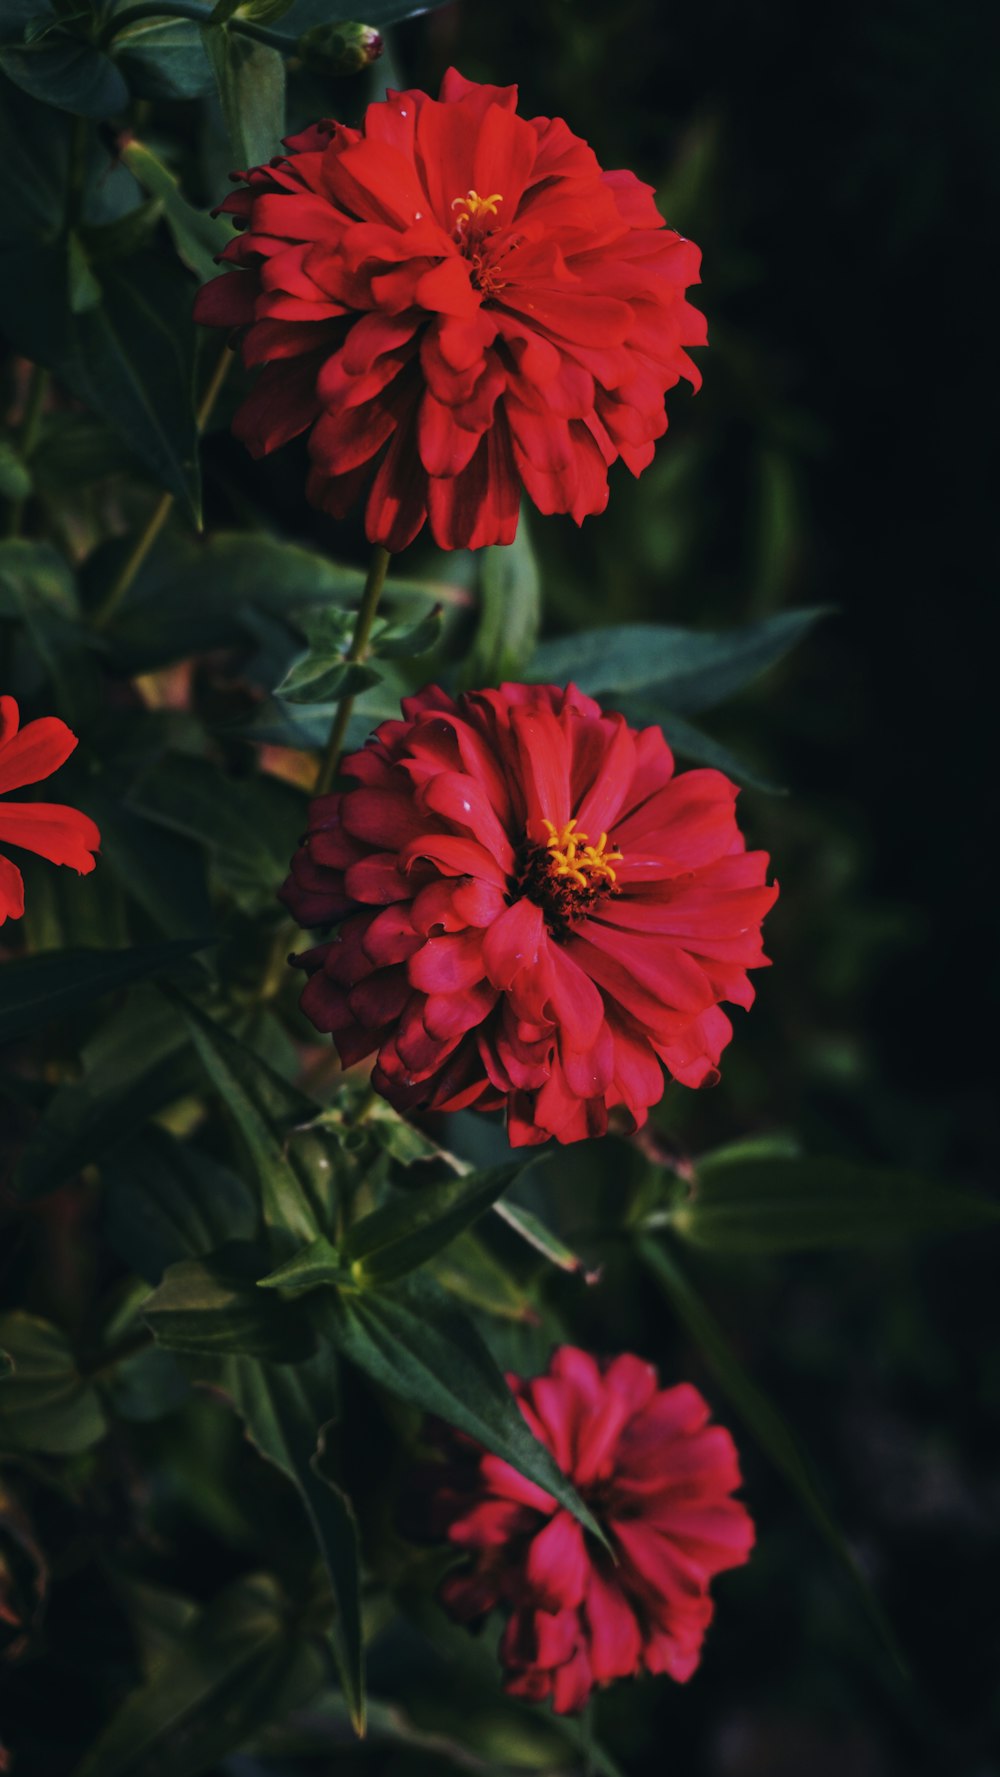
(340, 49)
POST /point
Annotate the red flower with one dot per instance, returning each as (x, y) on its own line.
(63, 835)
(536, 911)
(454, 301)
(658, 1478)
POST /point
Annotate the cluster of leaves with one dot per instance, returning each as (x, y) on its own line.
(276, 1248)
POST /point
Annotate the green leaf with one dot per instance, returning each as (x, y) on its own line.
(256, 1098)
(319, 679)
(164, 59)
(198, 237)
(468, 1270)
(406, 639)
(128, 356)
(407, 1231)
(55, 65)
(250, 80)
(244, 1663)
(412, 1341)
(15, 476)
(783, 1206)
(287, 1413)
(680, 670)
(534, 1232)
(45, 1405)
(311, 1267)
(35, 991)
(510, 609)
(213, 1305)
(165, 1201)
(762, 1419)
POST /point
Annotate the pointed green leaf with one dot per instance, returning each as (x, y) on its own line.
(45, 1404)
(242, 1664)
(790, 1205)
(213, 1305)
(412, 1341)
(256, 1098)
(311, 1268)
(250, 81)
(414, 1225)
(533, 1231)
(762, 1419)
(682, 670)
(288, 1412)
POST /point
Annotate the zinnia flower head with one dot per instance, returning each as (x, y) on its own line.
(454, 302)
(658, 1478)
(62, 835)
(536, 912)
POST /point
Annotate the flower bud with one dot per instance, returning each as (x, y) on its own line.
(340, 49)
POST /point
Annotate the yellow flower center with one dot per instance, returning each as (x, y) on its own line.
(573, 859)
(568, 875)
(472, 207)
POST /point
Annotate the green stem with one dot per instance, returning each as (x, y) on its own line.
(161, 511)
(30, 427)
(183, 9)
(377, 570)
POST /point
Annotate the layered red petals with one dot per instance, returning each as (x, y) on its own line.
(62, 835)
(456, 303)
(660, 1480)
(537, 913)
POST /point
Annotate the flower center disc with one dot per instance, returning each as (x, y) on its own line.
(475, 218)
(568, 876)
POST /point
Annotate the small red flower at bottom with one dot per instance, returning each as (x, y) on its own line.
(657, 1477)
(62, 835)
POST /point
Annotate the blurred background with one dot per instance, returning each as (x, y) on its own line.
(839, 169)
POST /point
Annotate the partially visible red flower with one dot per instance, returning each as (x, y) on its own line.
(536, 912)
(63, 835)
(454, 302)
(659, 1480)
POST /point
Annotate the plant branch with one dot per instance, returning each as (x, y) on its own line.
(359, 646)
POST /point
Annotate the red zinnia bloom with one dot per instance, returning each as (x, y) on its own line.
(458, 302)
(63, 835)
(658, 1478)
(536, 911)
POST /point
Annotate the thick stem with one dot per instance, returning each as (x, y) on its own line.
(30, 426)
(161, 511)
(377, 570)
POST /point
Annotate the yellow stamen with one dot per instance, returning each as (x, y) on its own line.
(572, 858)
(472, 205)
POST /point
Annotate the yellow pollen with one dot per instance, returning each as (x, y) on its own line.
(472, 205)
(572, 858)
